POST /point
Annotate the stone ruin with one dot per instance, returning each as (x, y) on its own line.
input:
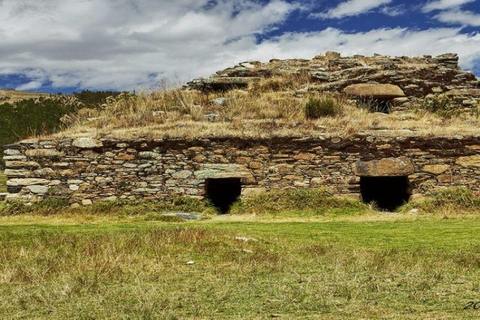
(400, 83)
(385, 169)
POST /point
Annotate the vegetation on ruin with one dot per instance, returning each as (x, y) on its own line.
(83, 266)
(326, 107)
(448, 201)
(53, 206)
(252, 113)
(299, 202)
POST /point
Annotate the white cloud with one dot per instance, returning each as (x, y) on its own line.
(444, 4)
(465, 18)
(351, 8)
(127, 44)
(32, 85)
(393, 11)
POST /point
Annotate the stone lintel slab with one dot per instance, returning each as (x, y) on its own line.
(388, 167)
(224, 171)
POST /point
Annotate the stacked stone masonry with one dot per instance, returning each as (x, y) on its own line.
(417, 77)
(86, 170)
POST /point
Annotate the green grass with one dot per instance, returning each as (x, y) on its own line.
(3, 183)
(379, 266)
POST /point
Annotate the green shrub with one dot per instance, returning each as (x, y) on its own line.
(313, 201)
(441, 105)
(452, 200)
(321, 107)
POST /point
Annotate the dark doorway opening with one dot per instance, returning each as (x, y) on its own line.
(388, 193)
(222, 193)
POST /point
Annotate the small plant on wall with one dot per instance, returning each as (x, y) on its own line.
(441, 105)
(316, 108)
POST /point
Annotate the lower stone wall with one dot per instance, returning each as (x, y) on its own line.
(85, 170)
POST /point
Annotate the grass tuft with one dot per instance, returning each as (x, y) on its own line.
(317, 108)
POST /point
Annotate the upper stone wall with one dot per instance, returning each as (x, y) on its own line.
(418, 77)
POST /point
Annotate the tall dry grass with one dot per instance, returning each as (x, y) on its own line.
(269, 108)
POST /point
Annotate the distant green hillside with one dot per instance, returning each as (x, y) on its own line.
(41, 114)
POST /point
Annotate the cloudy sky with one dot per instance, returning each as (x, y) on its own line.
(66, 45)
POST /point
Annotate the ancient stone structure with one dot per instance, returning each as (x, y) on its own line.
(383, 169)
(416, 77)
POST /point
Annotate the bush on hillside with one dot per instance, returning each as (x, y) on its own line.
(441, 105)
(317, 108)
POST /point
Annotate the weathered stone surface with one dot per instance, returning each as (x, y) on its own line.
(251, 192)
(376, 91)
(15, 158)
(467, 92)
(27, 182)
(21, 164)
(169, 168)
(38, 189)
(11, 173)
(414, 76)
(470, 161)
(87, 143)
(11, 152)
(87, 202)
(44, 153)
(436, 169)
(184, 174)
(389, 167)
(219, 171)
(148, 155)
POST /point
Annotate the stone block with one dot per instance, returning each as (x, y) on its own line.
(38, 189)
(436, 169)
(388, 167)
(27, 182)
(22, 165)
(184, 174)
(87, 143)
(11, 152)
(44, 153)
(470, 161)
(251, 192)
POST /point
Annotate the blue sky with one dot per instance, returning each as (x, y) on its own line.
(66, 45)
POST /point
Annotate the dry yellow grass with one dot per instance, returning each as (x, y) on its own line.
(270, 108)
(12, 96)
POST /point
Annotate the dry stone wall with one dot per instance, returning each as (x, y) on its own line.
(417, 77)
(85, 170)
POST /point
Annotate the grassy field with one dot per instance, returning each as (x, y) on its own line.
(370, 266)
(3, 183)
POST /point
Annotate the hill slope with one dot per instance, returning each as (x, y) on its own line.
(12, 96)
